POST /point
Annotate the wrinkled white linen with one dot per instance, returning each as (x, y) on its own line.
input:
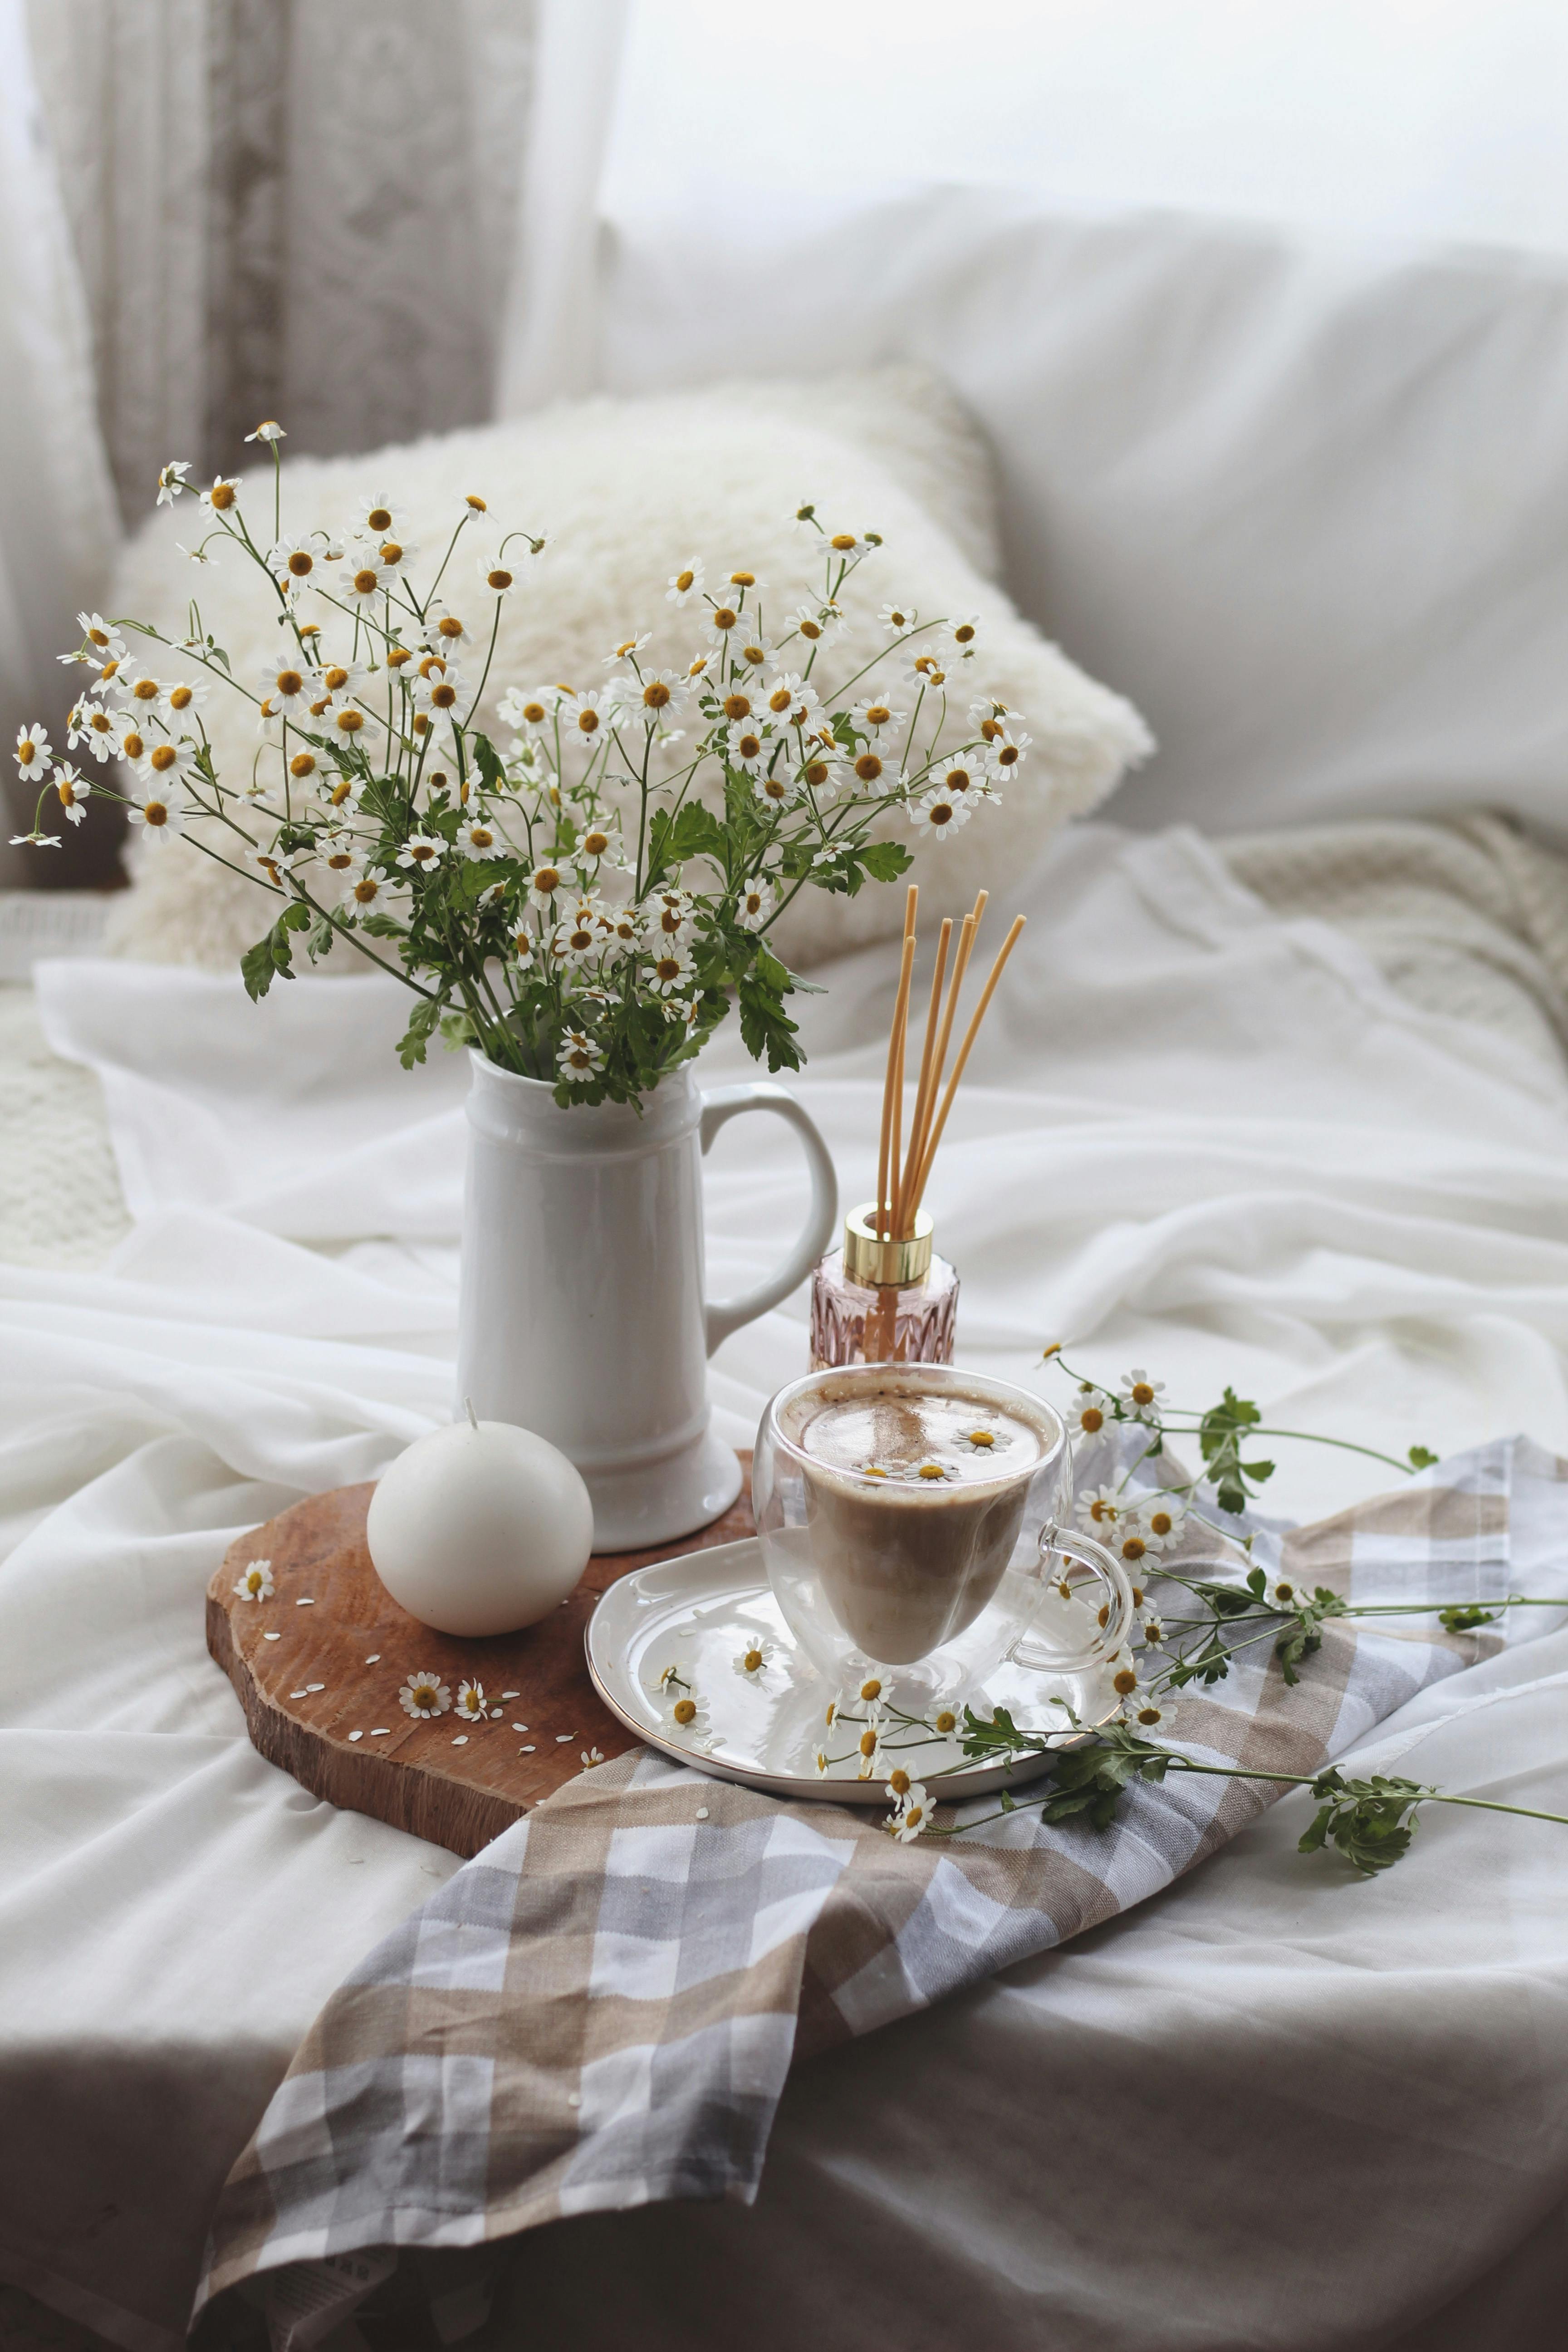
(1298, 497)
(1194, 1138)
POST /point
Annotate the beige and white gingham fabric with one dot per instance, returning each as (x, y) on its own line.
(601, 2009)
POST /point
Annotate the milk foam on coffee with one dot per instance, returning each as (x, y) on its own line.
(914, 1503)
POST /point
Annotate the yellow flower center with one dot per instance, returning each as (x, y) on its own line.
(724, 617)
(144, 690)
(588, 720)
(533, 712)
(1149, 1714)
(300, 563)
(595, 843)
(683, 581)
(751, 1661)
(366, 583)
(100, 722)
(742, 578)
(816, 772)
(982, 1438)
(1161, 1522)
(933, 1470)
(26, 751)
(878, 714)
(963, 635)
(349, 722)
(132, 746)
(548, 878)
(947, 1720)
(941, 813)
(499, 580)
(481, 837)
(810, 629)
(957, 779)
(868, 1743)
(155, 813)
(477, 503)
(449, 626)
(397, 656)
(899, 1781)
(222, 496)
(1125, 1683)
(684, 1710)
(253, 1579)
(868, 767)
(443, 695)
(1141, 1393)
(303, 763)
(366, 889)
(164, 757)
(1090, 1419)
(97, 636)
(872, 1689)
(737, 706)
(749, 747)
(67, 792)
(842, 540)
(339, 861)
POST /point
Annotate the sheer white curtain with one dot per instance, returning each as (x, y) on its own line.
(1403, 120)
(58, 523)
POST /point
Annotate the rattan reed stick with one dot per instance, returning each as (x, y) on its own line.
(986, 994)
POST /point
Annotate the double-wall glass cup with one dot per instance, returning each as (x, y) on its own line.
(910, 1517)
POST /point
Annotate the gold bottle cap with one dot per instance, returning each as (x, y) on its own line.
(868, 1258)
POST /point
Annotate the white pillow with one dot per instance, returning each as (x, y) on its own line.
(628, 491)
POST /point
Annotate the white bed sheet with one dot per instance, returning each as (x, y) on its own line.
(1196, 1137)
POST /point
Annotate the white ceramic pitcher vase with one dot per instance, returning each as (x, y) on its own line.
(581, 1315)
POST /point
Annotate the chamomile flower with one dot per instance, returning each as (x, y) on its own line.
(340, 791)
(1152, 1627)
(749, 1663)
(897, 618)
(222, 496)
(1005, 758)
(788, 701)
(686, 583)
(1133, 1547)
(181, 701)
(72, 790)
(529, 712)
(446, 630)
(591, 1756)
(923, 672)
(1090, 1412)
(289, 689)
(745, 748)
(939, 814)
(911, 1817)
(294, 562)
(101, 635)
(822, 624)
(130, 744)
(545, 882)
(1140, 1395)
(578, 938)
(171, 480)
(1163, 1519)
(868, 771)
(1147, 1712)
(422, 853)
(363, 577)
(255, 1582)
(963, 633)
(373, 516)
(424, 1696)
(439, 695)
(525, 940)
(477, 839)
(339, 854)
(723, 619)
(755, 904)
(1101, 1507)
(776, 788)
(667, 972)
(1286, 1592)
(871, 1763)
(141, 688)
(35, 840)
(337, 686)
(33, 755)
(166, 764)
(365, 890)
(591, 712)
(157, 818)
(873, 715)
(267, 431)
(580, 1059)
(823, 773)
(963, 783)
(627, 650)
(91, 728)
(667, 915)
(661, 694)
(471, 1701)
(753, 645)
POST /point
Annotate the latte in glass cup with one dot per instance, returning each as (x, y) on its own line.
(914, 1499)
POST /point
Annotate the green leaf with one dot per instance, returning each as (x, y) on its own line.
(693, 832)
(487, 761)
(884, 861)
(765, 1027)
(258, 970)
(1422, 1457)
(1371, 1821)
(422, 1026)
(1465, 1620)
(273, 956)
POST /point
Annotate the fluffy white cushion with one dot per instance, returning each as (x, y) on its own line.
(628, 491)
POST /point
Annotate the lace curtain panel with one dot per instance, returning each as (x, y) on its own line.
(281, 209)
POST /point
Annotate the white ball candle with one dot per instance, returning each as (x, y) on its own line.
(480, 1529)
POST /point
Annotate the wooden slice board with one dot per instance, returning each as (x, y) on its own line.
(337, 1628)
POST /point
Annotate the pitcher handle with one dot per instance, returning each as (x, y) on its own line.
(1117, 1614)
(725, 1103)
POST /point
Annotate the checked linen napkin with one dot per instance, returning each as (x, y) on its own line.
(600, 2009)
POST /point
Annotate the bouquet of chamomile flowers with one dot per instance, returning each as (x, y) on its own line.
(582, 886)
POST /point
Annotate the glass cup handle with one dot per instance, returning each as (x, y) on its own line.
(1120, 1609)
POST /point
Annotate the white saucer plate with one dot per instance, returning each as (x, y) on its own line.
(702, 1612)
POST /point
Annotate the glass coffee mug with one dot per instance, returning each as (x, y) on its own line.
(910, 1519)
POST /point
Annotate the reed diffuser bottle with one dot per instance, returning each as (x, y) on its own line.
(885, 1296)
